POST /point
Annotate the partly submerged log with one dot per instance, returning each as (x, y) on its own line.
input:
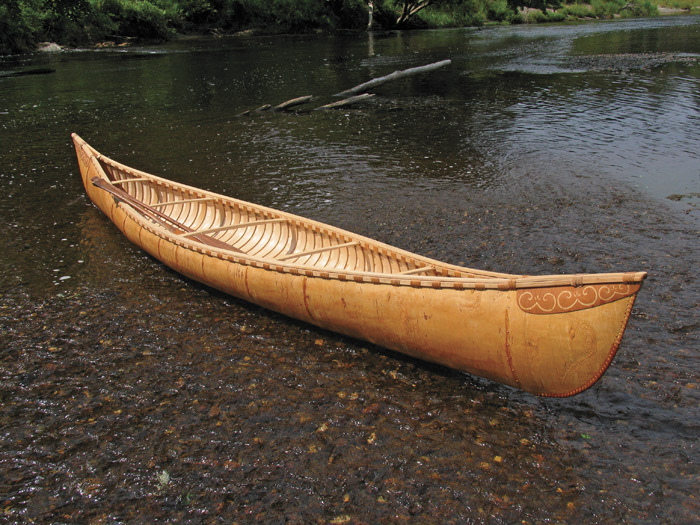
(36, 71)
(346, 101)
(396, 75)
(298, 101)
(280, 107)
(553, 335)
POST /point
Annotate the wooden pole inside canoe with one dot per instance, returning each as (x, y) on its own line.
(159, 216)
(396, 75)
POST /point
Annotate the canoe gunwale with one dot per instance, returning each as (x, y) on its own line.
(488, 281)
(394, 279)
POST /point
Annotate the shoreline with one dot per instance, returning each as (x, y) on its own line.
(528, 15)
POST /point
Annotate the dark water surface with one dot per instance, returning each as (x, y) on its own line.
(131, 394)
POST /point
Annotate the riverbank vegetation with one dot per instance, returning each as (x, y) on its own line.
(24, 23)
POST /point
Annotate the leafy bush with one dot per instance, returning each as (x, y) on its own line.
(23, 23)
(198, 12)
(681, 4)
(498, 10)
(18, 27)
(640, 8)
(577, 11)
(557, 16)
(537, 17)
(137, 18)
(607, 8)
(456, 14)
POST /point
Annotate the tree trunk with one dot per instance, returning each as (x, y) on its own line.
(409, 9)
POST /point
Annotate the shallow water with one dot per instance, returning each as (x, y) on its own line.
(131, 393)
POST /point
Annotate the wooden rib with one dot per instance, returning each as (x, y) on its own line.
(200, 217)
(317, 250)
(160, 218)
(182, 201)
(265, 237)
(124, 181)
(278, 237)
(416, 270)
(233, 226)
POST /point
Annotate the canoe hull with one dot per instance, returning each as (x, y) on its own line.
(547, 341)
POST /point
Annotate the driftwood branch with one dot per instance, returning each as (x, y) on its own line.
(280, 107)
(396, 75)
(346, 101)
(293, 102)
(354, 99)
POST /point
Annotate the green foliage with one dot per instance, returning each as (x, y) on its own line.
(297, 15)
(72, 9)
(498, 10)
(607, 8)
(681, 4)
(538, 17)
(501, 11)
(137, 18)
(640, 8)
(198, 12)
(577, 11)
(454, 14)
(23, 23)
(18, 27)
(542, 5)
(556, 16)
(269, 15)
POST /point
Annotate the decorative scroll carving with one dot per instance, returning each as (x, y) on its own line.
(570, 298)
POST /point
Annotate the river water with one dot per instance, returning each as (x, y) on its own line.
(132, 394)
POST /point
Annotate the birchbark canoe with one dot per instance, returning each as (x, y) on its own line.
(551, 335)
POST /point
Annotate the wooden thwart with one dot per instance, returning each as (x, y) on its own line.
(232, 227)
(317, 250)
(124, 181)
(417, 270)
(182, 201)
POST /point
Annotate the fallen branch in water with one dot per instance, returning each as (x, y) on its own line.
(280, 107)
(293, 102)
(396, 75)
(346, 101)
